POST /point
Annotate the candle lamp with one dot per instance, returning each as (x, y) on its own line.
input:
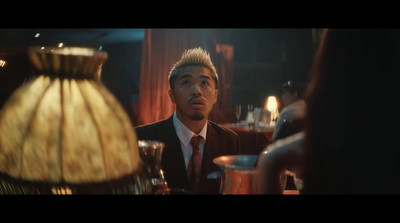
(272, 106)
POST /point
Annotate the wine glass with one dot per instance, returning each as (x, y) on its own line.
(238, 113)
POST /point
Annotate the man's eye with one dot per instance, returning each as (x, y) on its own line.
(186, 82)
(206, 83)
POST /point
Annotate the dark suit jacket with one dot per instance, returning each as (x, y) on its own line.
(220, 141)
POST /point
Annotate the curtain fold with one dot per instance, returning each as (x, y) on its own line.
(160, 50)
(225, 58)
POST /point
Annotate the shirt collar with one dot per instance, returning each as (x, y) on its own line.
(184, 133)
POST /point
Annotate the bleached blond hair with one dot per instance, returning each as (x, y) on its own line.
(193, 57)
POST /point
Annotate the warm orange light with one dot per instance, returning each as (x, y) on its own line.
(61, 190)
(2, 63)
(272, 105)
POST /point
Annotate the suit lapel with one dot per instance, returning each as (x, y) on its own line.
(210, 152)
(172, 158)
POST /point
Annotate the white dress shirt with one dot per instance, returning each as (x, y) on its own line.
(185, 135)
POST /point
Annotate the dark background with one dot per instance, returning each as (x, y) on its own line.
(264, 58)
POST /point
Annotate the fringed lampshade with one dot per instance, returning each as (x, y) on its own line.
(64, 127)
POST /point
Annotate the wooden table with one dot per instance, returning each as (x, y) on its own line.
(252, 142)
(290, 192)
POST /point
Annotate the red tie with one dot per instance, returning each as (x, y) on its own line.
(194, 168)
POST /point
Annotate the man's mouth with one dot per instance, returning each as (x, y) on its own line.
(196, 102)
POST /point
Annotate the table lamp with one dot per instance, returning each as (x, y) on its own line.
(272, 106)
(64, 131)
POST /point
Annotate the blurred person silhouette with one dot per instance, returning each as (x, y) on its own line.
(350, 142)
(193, 88)
(348, 145)
(293, 109)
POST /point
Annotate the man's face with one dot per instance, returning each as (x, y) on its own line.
(194, 93)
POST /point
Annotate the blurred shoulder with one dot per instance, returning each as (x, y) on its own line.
(222, 130)
(154, 128)
(294, 141)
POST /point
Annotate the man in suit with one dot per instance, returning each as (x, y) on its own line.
(193, 89)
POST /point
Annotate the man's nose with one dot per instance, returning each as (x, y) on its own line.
(196, 90)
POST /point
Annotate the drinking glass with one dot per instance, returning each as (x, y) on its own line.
(238, 113)
(298, 180)
(150, 153)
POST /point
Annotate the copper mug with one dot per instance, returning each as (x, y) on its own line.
(238, 174)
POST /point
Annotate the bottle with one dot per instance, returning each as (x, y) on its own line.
(250, 117)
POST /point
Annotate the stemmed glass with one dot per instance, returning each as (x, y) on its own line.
(238, 113)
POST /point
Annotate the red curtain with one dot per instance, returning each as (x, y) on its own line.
(225, 59)
(161, 49)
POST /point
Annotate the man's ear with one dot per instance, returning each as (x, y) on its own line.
(171, 95)
(215, 96)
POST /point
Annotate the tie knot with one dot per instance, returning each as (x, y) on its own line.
(195, 141)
